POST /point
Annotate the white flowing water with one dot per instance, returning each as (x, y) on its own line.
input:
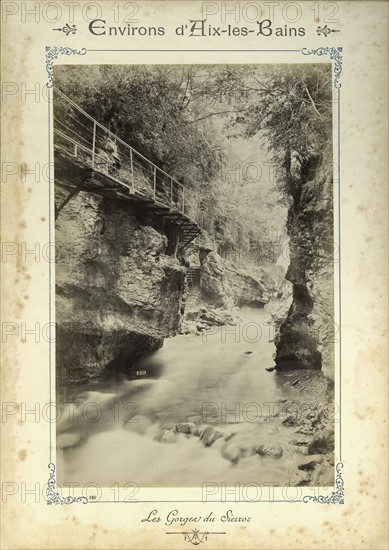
(112, 433)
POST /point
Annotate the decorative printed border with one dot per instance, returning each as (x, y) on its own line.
(53, 496)
(335, 53)
(337, 496)
(53, 53)
(195, 536)
(321, 30)
(67, 29)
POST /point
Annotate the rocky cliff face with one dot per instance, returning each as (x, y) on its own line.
(224, 285)
(306, 337)
(118, 295)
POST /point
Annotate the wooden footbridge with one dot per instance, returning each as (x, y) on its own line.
(89, 157)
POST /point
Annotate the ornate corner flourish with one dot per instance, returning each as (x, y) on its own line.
(53, 53)
(195, 536)
(67, 29)
(335, 54)
(53, 496)
(325, 30)
(337, 496)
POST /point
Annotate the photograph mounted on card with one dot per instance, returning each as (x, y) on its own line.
(195, 263)
(193, 249)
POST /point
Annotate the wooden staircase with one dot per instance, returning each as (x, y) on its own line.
(194, 276)
(194, 295)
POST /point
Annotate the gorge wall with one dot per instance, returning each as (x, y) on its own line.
(306, 336)
(118, 294)
(224, 285)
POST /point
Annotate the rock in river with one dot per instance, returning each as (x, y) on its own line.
(236, 448)
(210, 435)
(310, 461)
(185, 428)
(269, 449)
(231, 453)
(300, 478)
(323, 442)
(166, 436)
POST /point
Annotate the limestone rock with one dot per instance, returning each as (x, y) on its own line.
(185, 428)
(231, 453)
(216, 317)
(166, 436)
(236, 448)
(118, 294)
(300, 479)
(326, 477)
(212, 281)
(199, 429)
(210, 435)
(323, 442)
(273, 450)
(225, 285)
(309, 462)
(290, 420)
(306, 337)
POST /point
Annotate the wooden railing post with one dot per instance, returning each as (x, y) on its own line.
(94, 144)
(171, 193)
(183, 201)
(155, 181)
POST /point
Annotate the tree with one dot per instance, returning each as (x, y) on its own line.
(182, 118)
(150, 109)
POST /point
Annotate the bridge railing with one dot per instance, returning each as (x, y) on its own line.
(93, 144)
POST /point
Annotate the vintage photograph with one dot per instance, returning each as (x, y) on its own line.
(194, 274)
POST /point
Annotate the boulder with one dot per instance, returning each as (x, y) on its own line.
(210, 435)
(300, 479)
(290, 420)
(199, 429)
(235, 449)
(327, 476)
(322, 442)
(166, 436)
(273, 450)
(231, 453)
(309, 462)
(185, 428)
(217, 317)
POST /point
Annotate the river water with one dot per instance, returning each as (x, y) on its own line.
(124, 431)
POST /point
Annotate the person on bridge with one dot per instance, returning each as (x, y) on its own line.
(108, 151)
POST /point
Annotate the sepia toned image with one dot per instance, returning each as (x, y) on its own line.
(194, 274)
(194, 263)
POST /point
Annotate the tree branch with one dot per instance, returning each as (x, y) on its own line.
(313, 103)
(215, 114)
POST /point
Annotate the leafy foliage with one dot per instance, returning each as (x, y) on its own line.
(150, 109)
(183, 118)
